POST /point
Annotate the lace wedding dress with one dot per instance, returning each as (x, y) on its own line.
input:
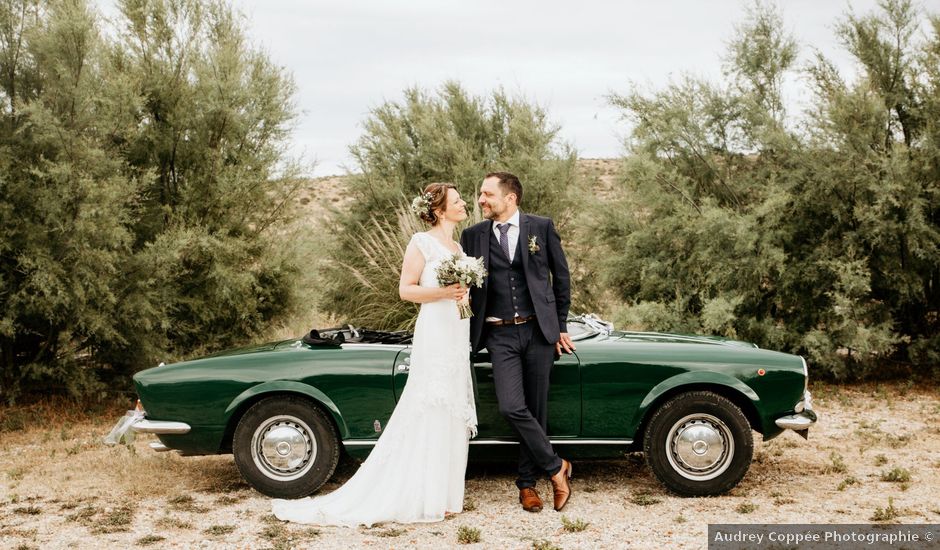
(416, 471)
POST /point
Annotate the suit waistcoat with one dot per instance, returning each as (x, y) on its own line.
(507, 290)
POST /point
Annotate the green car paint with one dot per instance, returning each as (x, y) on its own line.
(210, 394)
(602, 393)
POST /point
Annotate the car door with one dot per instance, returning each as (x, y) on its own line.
(400, 370)
(564, 399)
(564, 396)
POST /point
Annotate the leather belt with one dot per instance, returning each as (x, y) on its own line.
(513, 321)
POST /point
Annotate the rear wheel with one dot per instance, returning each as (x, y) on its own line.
(698, 444)
(285, 447)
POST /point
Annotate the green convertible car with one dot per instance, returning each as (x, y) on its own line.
(287, 409)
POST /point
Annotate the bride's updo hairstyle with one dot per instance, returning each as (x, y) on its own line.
(436, 198)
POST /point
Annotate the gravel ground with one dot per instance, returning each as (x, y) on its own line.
(61, 488)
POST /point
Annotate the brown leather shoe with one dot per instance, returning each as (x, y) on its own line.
(561, 484)
(530, 500)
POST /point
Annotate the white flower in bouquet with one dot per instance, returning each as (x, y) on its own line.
(463, 270)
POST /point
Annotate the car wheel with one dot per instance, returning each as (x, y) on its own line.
(698, 444)
(285, 447)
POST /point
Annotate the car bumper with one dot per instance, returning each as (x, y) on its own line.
(144, 426)
(159, 427)
(804, 418)
(135, 422)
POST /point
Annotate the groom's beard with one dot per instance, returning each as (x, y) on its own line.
(492, 213)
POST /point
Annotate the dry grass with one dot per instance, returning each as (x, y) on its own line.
(147, 540)
(391, 532)
(573, 525)
(644, 499)
(847, 482)
(219, 530)
(897, 475)
(59, 414)
(128, 496)
(888, 513)
(468, 535)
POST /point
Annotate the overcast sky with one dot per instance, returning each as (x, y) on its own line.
(348, 56)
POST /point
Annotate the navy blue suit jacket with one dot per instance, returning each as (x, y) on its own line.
(546, 273)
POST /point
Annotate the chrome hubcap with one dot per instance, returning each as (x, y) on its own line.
(699, 447)
(283, 447)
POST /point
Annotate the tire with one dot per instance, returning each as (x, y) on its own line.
(699, 444)
(285, 447)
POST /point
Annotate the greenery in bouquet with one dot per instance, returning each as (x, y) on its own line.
(463, 270)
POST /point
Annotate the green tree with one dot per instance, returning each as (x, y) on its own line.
(447, 136)
(66, 201)
(142, 179)
(214, 117)
(818, 234)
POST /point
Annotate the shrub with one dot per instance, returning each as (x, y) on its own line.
(143, 183)
(815, 235)
(447, 136)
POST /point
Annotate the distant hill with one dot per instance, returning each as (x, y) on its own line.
(319, 194)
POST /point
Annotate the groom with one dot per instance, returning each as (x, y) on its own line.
(519, 316)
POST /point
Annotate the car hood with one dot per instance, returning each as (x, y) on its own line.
(664, 337)
(257, 348)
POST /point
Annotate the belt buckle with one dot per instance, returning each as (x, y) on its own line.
(517, 320)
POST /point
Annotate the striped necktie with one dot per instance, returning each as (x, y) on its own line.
(504, 239)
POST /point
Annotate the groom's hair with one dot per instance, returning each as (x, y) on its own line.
(508, 183)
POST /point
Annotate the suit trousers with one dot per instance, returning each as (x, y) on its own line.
(522, 364)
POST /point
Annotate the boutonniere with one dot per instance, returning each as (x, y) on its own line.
(533, 245)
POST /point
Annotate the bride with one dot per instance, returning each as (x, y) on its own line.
(416, 471)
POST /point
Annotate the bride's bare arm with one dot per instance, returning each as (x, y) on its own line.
(408, 288)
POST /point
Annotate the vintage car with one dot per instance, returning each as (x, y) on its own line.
(286, 410)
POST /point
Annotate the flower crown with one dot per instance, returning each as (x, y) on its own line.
(422, 204)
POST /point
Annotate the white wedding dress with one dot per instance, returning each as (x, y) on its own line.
(416, 471)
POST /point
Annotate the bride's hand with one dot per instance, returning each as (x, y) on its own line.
(453, 292)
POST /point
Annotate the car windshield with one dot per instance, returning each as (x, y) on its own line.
(354, 335)
(579, 331)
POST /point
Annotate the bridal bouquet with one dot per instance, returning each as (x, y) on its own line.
(465, 271)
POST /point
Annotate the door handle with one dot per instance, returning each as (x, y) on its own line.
(405, 366)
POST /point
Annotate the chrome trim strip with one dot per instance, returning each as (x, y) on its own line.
(158, 447)
(592, 441)
(805, 375)
(359, 345)
(160, 427)
(643, 335)
(556, 442)
(372, 442)
(806, 403)
(360, 442)
(796, 422)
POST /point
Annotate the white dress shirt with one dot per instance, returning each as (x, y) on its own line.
(513, 234)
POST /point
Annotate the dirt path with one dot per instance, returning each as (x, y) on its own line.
(61, 488)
